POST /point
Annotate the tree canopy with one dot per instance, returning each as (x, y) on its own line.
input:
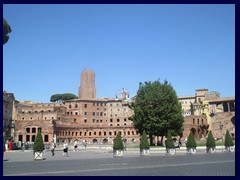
(62, 97)
(157, 109)
(6, 30)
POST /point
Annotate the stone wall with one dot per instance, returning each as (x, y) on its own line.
(87, 88)
(226, 120)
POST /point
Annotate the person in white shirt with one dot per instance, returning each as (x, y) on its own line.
(75, 146)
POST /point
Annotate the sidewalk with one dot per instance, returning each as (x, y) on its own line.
(27, 155)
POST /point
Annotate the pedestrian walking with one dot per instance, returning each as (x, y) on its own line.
(85, 144)
(10, 145)
(65, 149)
(22, 145)
(53, 146)
(177, 144)
(185, 141)
(75, 146)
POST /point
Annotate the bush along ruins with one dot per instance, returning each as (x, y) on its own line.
(144, 145)
(118, 146)
(210, 145)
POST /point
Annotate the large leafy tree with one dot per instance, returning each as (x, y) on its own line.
(6, 30)
(62, 97)
(157, 110)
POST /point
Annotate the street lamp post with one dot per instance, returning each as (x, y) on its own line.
(100, 138)
(125, 140)
(221, 127)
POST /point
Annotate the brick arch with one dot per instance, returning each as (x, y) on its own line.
(195, 133)
(105, 141)
(94, 140)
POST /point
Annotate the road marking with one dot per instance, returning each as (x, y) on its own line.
(117, 168)
(112, 164)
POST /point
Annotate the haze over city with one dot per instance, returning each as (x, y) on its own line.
(190, 46)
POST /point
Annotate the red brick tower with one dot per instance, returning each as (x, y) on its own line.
(87, 88)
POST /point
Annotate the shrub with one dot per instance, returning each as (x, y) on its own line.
(228, 140)
(144, 141)
(118, 143)
(38, 144)
(191, 143)
(169, 141)
(210, 141)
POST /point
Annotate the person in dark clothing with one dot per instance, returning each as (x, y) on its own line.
(53, 146)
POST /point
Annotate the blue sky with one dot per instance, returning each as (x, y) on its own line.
(191, 46)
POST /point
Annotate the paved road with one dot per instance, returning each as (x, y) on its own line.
(102, 163)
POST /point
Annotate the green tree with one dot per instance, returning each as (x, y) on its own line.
(192, 109)
(228, 140)
(169, 141)
(144, 141)
(201, 108)
(118, 143)
(210, 141)
(38, 145)
(62, 97)
(191, 143)
(6, 30)
(157, 109)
